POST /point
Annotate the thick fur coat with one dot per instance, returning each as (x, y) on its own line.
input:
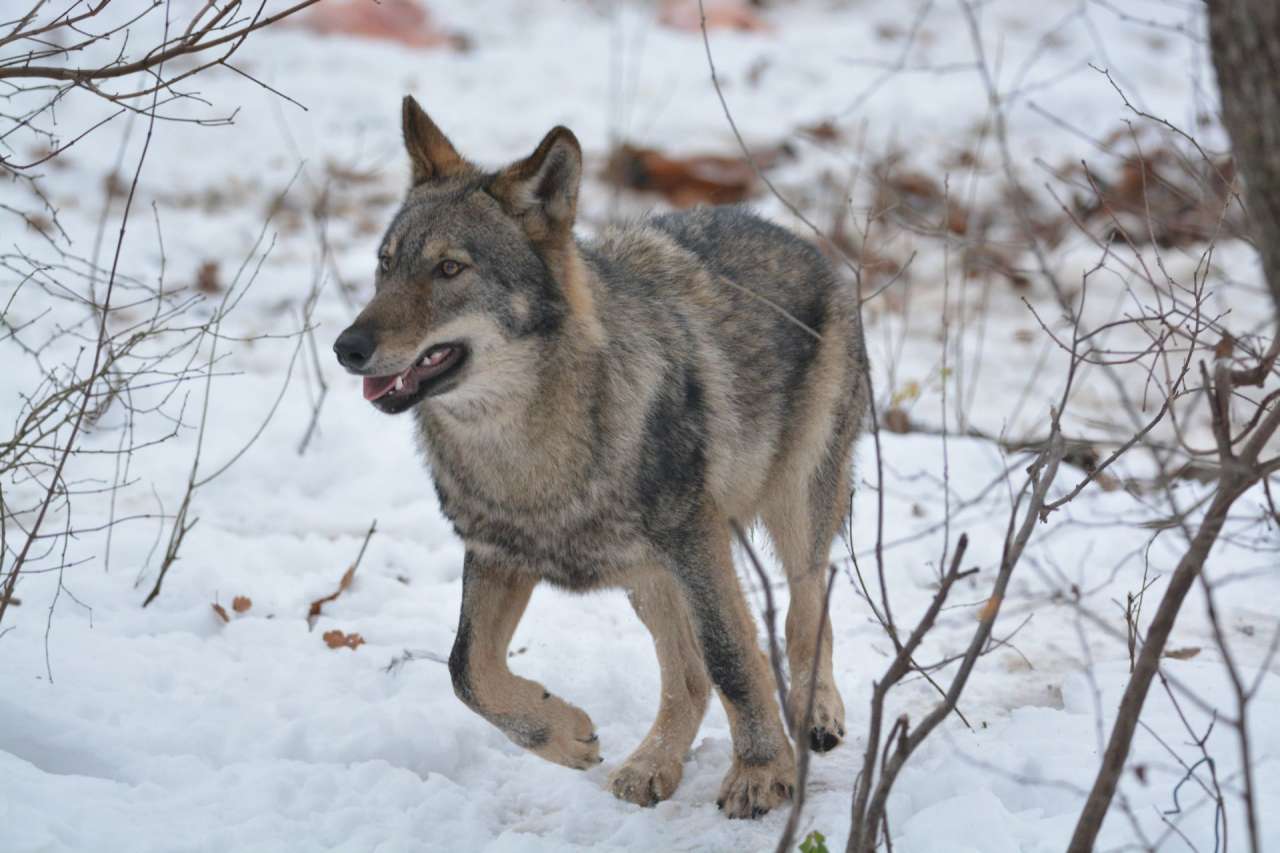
(596, 414)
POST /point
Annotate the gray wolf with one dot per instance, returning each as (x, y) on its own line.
(594, 414)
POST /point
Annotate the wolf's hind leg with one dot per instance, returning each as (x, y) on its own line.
(493, 600)
(803, 517)
(652, 772)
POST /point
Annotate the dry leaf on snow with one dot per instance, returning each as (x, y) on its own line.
(313, 613)
(336, 639)
(408, 22)
(720, 15)
(688, 180)
(990, 609)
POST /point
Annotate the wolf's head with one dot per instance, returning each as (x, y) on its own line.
(472, 274)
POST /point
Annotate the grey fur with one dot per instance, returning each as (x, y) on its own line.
(620, 400)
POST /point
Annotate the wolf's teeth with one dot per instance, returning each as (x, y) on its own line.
(400, 383)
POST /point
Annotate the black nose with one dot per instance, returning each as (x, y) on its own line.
(354, 347)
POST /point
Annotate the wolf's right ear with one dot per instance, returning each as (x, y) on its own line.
(431, 154)
(542, 189)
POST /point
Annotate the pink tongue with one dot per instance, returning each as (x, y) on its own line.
(376, 386)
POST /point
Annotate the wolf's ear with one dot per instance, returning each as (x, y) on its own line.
(431, 154)
(542, 189)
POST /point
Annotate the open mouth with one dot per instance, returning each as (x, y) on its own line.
(427, 376)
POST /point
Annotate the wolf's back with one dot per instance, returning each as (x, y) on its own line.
(755, 317)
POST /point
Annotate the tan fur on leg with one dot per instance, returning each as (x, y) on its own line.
(802, 530)
(655, 768)
(492, 603)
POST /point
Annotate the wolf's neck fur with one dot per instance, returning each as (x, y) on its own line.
(536, 441)
(579, 285)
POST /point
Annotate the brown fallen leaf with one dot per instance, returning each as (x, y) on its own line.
(114, 186)
(336, 639)
(407, 22)
(989, 609)
(313, 612)
(688, 180)
(347, 174)
(38, 222)
(910, 390)
(1084, 456)
(720, 14)
(984, 259)
(1108, 483)
(207, 278)
(1183, 654)
(896, 420)
(916, 199)
(823, 131)
(220, 611)
(889, 31)
(1158, 196)
(241, 603)
(915, 186)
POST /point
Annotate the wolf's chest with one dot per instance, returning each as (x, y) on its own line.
(575, 552)
(573, 539)
(548, 508)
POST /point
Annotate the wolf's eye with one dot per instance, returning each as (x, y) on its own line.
(449, 268)
(384, 263)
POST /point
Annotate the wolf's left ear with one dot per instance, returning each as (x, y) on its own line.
(431, 154)
(542, 189)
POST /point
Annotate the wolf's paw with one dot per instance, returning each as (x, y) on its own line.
(648, 777)
(752, 790)
(567, 735)
(826, 727)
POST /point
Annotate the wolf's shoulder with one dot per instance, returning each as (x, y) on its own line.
(712, 227)
(698, 235)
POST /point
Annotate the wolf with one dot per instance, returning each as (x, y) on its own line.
(598, 414)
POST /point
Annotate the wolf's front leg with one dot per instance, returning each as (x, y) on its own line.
(652, 772)
(763, 772)
(493, 600)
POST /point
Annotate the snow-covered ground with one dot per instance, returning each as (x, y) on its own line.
(168, 729)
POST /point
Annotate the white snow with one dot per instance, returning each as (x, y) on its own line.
(165, 729)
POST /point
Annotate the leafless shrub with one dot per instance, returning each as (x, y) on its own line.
(183, 521)
(111, 352)
(87, 46)
(1246, 53)
(1180, 367)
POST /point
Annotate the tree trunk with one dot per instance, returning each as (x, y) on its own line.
(1244, 39)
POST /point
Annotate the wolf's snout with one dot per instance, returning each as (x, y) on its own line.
(354, 347)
